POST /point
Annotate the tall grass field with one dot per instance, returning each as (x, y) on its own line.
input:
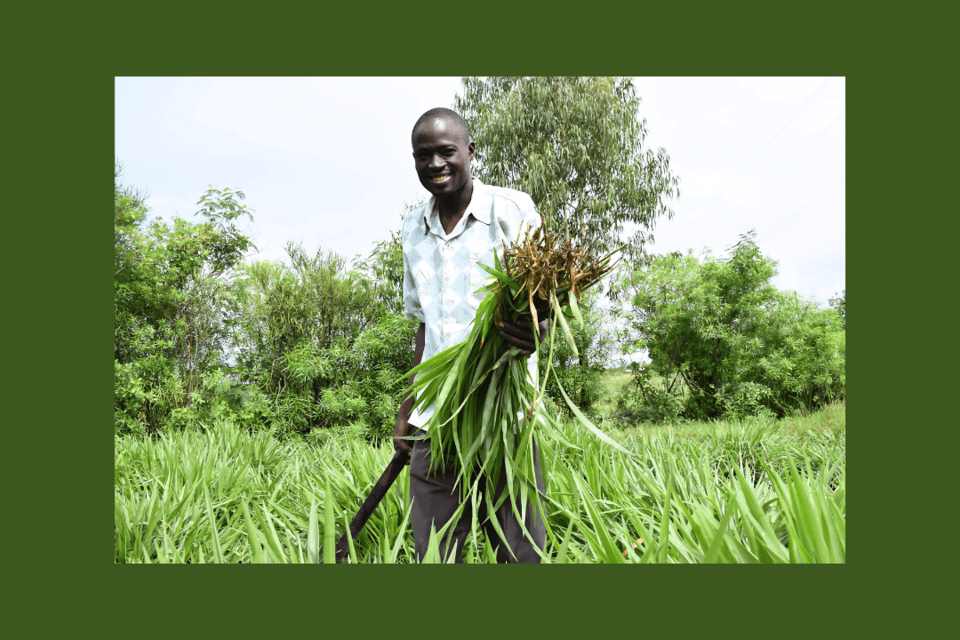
(750, 491)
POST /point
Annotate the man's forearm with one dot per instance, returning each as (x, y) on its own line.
(419, 343)
(402, 427)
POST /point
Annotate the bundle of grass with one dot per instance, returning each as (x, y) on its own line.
(486, 405)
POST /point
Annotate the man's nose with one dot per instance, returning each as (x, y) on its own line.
(436, 160)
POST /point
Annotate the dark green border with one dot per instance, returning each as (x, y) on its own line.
(61, 510)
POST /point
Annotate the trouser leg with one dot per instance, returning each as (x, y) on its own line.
(524, 551)
(436, 499)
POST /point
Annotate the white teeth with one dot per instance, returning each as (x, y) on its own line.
(439, 178)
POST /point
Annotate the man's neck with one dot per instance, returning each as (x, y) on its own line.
(452, 209)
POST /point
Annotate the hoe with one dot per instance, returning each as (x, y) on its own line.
(394, 467)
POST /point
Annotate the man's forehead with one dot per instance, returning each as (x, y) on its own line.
(439, 131)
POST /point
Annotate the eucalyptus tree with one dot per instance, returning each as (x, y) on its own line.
(576, 146)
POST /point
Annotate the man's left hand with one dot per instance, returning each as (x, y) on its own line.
(521, 335)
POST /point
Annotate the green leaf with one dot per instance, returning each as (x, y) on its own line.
(589, 425)
(564, 328)
(212, 522)
(575, 309)
(252, 535)
(313, 534)
(329, 532)
(501, 276)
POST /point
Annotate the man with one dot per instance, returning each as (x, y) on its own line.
(444, 239)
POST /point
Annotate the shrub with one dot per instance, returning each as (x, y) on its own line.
(320, 341)
(739, 346)
(170, 326)
(581, 374)
(653, 401)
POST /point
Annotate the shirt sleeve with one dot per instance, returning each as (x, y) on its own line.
(530, 217)
(526, 217)
(411, 296)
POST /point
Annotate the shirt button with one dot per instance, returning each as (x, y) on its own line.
(446, 279)
(448, 335)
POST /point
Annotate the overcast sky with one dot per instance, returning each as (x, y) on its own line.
(326, 161)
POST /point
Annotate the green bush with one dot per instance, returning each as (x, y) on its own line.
(737, 344)
(580, 376)
(200, 337)
(322, 343)
(170, 325)
(651, 400)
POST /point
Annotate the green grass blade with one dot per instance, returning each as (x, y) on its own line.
(716, 545)
(564, 328)
(589, 425)
(575, 309)
(501, 276)
(329, 532)
(212, 523)
(252, 535)
(313, 534)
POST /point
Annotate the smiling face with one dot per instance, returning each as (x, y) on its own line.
(441, 153)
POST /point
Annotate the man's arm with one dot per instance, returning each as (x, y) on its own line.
(521, 335)
(402, 426)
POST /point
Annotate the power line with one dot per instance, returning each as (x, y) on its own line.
(805, 206)
(752, 161)
(772, 179)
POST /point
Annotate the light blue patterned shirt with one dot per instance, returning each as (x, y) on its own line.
(441, 273)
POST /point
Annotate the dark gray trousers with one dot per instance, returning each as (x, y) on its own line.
(435, 500)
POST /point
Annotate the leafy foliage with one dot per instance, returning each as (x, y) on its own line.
(321, 342)
(581, 373)
(201, 337)
(575, 145)
(745, 492)
(738, 345)
(840, 305)
(170, 329)
(653, 400)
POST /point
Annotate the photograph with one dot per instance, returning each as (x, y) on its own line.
(480, 320)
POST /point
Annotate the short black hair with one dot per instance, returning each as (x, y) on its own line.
(442, 112)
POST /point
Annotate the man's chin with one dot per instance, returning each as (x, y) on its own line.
(435, 189)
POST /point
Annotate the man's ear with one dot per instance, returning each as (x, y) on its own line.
(472, 149)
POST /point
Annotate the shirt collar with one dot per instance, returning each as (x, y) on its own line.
(479, 207)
